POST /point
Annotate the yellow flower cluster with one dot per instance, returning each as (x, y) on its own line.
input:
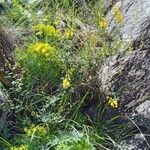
(22, 147)
(48, 30)
(43, 49)
(66, 82)
(103, 23)
(113, 102)
(118, 15)
(39, 130)
(34, 114)
(69, 33)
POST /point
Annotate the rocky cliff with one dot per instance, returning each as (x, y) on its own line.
(129, 75)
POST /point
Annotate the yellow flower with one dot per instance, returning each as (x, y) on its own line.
(39, 130)
(70, 72)
(34, 113)
(22, 147)
(38, 27)
(48, 30)
(113, 102)
(29, 131)
(44, 49)
(69, 33)
(118, 15)
(51, 31)
(66, 82)
(103, 23)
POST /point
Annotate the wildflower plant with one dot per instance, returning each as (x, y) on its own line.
(69, 33)
(37, 130)
(113, 103)
(47, 30)
(45, 62)
(44, 49)
(118, 15)
(58, 67)
(22, 147)
(66, 82)
(103, 23)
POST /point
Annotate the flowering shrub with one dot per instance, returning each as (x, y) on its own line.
(44, 49)
(56, 83)
(47, 30)
(22, 147)
(37, 130)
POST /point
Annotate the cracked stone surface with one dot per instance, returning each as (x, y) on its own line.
(2, 113)
(136, 142)
(128, 75)
(135, 12)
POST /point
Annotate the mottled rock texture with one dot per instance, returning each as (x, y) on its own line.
(2, 113)
(7, 45)
(135, 13)
(128, 75)
(136, 142)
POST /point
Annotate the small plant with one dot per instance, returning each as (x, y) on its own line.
(113, 102)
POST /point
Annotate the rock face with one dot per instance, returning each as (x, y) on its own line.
(128, 76)
(7, 46)
(2, 113)
(6, 56)
(135, 13)
(137, 142)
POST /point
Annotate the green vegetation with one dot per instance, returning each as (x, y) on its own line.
(57, 63)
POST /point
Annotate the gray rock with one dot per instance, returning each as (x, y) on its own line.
(7, 46)
(137, 142)
(2, 113)
(135, 12)
(128, 74)
(108, 5)
(1, 96)
(144, 109)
